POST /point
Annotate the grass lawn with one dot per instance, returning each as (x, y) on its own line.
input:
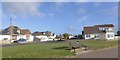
(50, 50)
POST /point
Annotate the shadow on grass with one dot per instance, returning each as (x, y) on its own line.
(62, 48)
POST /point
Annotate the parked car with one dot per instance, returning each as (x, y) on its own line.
(20, 41)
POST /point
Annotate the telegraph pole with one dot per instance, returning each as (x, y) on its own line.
(10, 30)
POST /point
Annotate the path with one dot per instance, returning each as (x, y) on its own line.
(107, 53)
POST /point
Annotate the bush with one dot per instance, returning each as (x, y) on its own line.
(36, 39)
(5, 39)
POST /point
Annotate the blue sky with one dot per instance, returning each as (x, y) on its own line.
(59, 17)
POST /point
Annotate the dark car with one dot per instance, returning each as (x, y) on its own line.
(20, 41)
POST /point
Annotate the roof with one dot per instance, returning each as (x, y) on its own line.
(95, 29)
(7, 30)
(37, 33)
(91, 30)
(105, 25)
(24, 31)
(14, 31)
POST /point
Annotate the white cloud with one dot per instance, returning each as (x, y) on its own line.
(115, 10)
(110, 11)
(84, 18)
(51, 15)
(22, 8)
(0, 18)
(97, 3)
(0, 12)
(60, 0)
(58, 6)
(95, 0)
(71, 28)
(80, 3)
(82, 11)
(22, 0)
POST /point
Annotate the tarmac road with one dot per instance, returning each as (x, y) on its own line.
(19, 44)
(106, 53)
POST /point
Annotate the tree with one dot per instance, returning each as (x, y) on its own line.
(48, 33)
(80, 36)
(66, 35)
(118, 33)
(36, 33)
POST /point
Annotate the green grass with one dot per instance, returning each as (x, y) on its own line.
(96, 45)
(0, 52)
(50, 50)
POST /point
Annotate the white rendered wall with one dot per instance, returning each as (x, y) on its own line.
(110, 37)
(43, 38)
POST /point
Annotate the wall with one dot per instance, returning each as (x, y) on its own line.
(18, 37)
(71, 37)
(117, 37)
(43, 38)
(53, 37)
(102, 36)
(4, 36)
(91, 36)
(31, 38)
(110, 33)
(24, 36)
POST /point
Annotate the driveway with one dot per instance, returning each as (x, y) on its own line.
(106, 53)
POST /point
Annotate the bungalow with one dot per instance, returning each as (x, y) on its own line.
(105, 31)
(44, 36)
(27, 35)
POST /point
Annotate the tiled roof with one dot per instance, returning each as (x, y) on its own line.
(105, 25)
(91, 30)
(24, 31)
(7, 30)
(95, 29)
(14, 30)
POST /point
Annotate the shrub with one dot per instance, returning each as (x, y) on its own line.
(5, 39)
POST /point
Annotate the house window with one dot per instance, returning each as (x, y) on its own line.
(87, 35)
(96, 36)
(110, 29)
(106, 29)
(27, 37)
(110, 35)
(101, 29)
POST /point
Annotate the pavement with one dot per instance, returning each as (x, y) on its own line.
(105, 53)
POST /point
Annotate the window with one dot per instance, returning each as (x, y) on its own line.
(100, 28)
(27, 37)
(110, 29)
(106, 29)
(110, 35)
(87, 35)
(96, 36)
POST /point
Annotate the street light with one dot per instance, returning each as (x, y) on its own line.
(10, 30)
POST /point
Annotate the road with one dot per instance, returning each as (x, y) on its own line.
(106, 53)
(19, 44)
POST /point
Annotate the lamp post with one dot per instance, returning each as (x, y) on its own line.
(10, 30)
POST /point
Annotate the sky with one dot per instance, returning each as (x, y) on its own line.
(59, 17)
